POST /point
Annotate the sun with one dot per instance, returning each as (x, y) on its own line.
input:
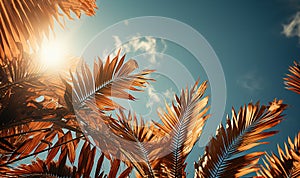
(52, 53)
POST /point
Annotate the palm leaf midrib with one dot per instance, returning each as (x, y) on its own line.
(231, 148)
(178, 141)
(145, 155)
(90, 94)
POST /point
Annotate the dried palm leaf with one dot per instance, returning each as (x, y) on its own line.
(26, 22)
(286, 165)
(292, 81)
(224, 155)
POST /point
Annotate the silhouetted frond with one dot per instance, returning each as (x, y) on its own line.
(292, 81)
(224, 155)
(25, 22)
(19, 79)
(286, 165)
(22, 71)
(31, 116)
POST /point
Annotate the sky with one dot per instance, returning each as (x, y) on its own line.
(254, 41)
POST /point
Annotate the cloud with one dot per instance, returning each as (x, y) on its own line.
(146, 44)
(154, 97)
(293, 27)
(126, 22)
(169, 94)
(251, 82)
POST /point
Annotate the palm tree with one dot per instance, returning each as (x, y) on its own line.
(42, 113)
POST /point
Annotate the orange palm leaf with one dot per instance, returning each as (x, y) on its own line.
(286, 165)
(224, 155)
(292, 81)
(86, 161)
(162, 151)
(110, 79)
(182, 125)
(134, 139)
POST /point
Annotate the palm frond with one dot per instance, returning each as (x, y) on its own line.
(224, 155)
(152, 150)
(135, 138)
(83, 168)
(292, 81)
(182, 123)
(34, 141)
(18, 76)
(24, 23)
(32, 135)
(13, 137)
(29, 126)
(286, 165)
(19, 72)
(108, 80)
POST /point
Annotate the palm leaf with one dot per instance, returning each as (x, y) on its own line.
(37, 134)
(224, 155)
(292, 81)
(287, 164)
(148, 148)
(32, 142)
(25, 22)
(22, 116)
(94, 91)
(86, 161)
(22, 71)
(182, 123)
(18, 76)
(135, 138)
(108, 80)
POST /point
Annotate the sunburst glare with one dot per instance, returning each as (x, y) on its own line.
(53, 53)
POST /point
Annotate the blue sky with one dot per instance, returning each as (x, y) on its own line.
(247, 37)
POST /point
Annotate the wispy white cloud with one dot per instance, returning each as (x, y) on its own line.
(146, 44)
(169, 94)
(154, 97)
(126, 22)
(251, 82)
(293, 27)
